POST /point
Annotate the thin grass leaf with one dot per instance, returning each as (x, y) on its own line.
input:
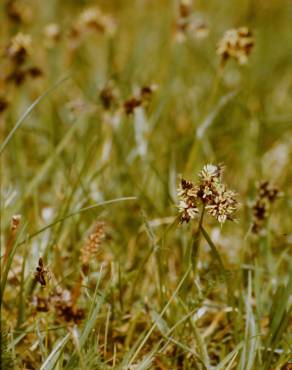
(9, 261)
(222, 365)
(87, 330)
(161, 315)
(248, 354)
(53, 357)
(74, 213)
(224, 100)
(28, 111)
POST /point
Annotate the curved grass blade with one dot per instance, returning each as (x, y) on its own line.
(53, 357)
(81, 210)
(30, 109)
(9, 262)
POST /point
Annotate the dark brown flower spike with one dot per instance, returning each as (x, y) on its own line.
(41, 273)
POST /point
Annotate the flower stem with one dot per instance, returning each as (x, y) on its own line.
(225, 272)
(213, 248)
(196, 243)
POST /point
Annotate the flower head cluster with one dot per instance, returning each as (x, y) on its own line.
(267, 194)
(142, 97)
(236, 43)
(94, 19)
(18, 50)
(188, 198)
(18, 11)
(91, 20)
(19, 47)
(219, 201)
(187, 24)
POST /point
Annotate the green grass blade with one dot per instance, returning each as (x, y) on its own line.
(53, 357)
(28, 111)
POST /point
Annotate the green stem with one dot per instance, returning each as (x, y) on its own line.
(225, 273)
(196, 243)
(213, 248)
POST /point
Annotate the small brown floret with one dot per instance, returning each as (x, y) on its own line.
(236, 43)
(267, 194)
(131, 104)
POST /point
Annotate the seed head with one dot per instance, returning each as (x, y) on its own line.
(219, 202)
(210, 173)
(94, 19)
(108, 95)
(142, 97)
(65, 307)
(236, 43)
(223, 206)
(18, 11)
(15, 222)
(93, 242)
(19, 47)
(188, 198)
(267, 194)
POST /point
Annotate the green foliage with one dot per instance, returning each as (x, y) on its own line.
(99, 123)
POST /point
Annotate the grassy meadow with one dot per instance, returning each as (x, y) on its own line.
(111, 257)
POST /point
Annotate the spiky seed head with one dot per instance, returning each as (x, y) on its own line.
(93, 242)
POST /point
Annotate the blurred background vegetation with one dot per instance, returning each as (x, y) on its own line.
(80, 147)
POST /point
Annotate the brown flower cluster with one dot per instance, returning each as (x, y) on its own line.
(18, 11)
(110, 98)
(18, 50)
(108, 95)
(91, 20)
(19, 47)
(65, 307)
(142, 98)
(236, 43)
(188, 200)
(41, 274)
(61, 302)
(58, 299)
(186, 24)
(267, 194)
(210, 192)
(93, 242)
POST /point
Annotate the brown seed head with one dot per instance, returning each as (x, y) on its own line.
(15, 222)
(236, 43)
(267, 194)
(19, 47)
(18, 11)
(107, 95)
(93, 242)
(219, 202)
(94, 19)
(188, 198)
(131, 104)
